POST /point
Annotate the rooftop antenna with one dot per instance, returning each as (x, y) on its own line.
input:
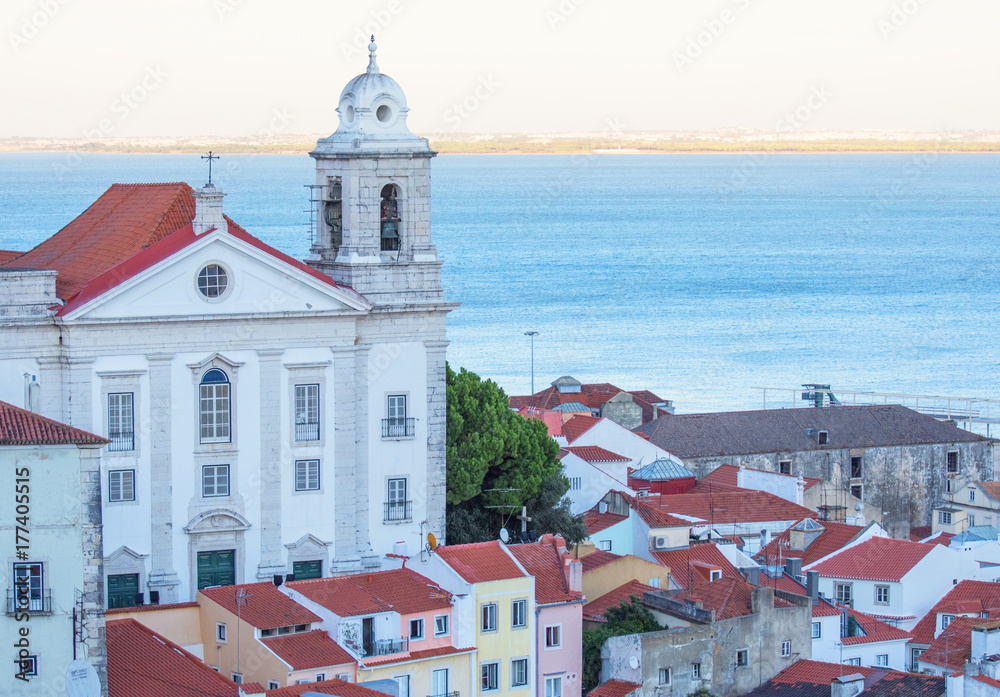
(210, 157)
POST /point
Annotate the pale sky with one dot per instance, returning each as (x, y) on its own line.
(238, 67)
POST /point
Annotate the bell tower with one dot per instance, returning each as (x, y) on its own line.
(371, 216)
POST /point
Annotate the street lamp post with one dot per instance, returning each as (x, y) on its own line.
(532, 335)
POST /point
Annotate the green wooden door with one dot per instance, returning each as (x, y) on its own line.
(122, 589)
(217, 568)
(307, 569)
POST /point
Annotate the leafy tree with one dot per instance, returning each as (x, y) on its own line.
(499, 461)
(628, 618)
(701, 692)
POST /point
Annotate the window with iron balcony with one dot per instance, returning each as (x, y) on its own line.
(121, 422)
(306, 413)
(398, 508)
(397, 424)
(29, 593)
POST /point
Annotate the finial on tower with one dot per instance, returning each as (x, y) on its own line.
(372, 65)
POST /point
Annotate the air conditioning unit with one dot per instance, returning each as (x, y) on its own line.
(660, 542)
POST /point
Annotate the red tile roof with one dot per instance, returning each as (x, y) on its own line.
(313, 649)
(595, 521)
(265, 608)
(953, 647)
(967, 596)
(594, 453)
(21, 427)
(614, 688)
(652, 512)
(729, 597)
(543, 561)
(141, 663)
(597, 559)
(325, 687)
(417, 655)
(692, 567)
(874, 629)
(252, 688)
(399, 590)
(578, 425)
(725, 506)
(148, 608)
(834, 536)
(595, 609)
(480, 561)
(7, 254)
(124, 220)
(807, 678)
(919, 533)
(593, 395)
(728, 475)
(875, 559)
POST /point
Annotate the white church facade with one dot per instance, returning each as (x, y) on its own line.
(265, 415)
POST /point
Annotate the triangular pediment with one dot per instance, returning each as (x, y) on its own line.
(217, 520)
(308, 543)
(254, 281)
(124, 554)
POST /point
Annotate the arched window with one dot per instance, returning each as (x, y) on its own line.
(390, 219)
(215, 407)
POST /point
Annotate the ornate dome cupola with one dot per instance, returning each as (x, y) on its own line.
(371, 201)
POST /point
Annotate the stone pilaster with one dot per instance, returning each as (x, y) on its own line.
(437, 415)
(50, 377)
(93, 563)
(345, 558)
(269, 493)
(369, 559)
(163, 577)
(79, 401)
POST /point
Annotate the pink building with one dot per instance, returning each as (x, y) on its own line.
(559, 612)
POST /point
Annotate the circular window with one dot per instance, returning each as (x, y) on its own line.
(213, 281)
(383, 113)
(349, 114)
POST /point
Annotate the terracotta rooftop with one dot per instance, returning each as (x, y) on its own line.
(313, 649)
(991, 488)
(614, 688)
(919, 533)
(725, 506)
(480, 561)
(652, 510)
(543, 561)
(398, 590)
(148, 608)
(966, 597)
(833, 537)
(807, 678)
(875, 559)
(728, 475)
(594, 453)
(7, 254)
(729, 596)
(417, 655)
(325, 687)
(595, 609)
(597, 559)
(265, 608)
(141, 663)
(593, 396)
(691, 567)
(875, 630)
(595, 521)
(722, 434)
(953, 646)
(21, 427)
(578, 425)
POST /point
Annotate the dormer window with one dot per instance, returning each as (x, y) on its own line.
(390, 219)
(823, 437)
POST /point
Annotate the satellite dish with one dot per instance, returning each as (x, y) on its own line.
(432, 541)
(82, 680)
(858, 507)
(633, 662)
(504, 535)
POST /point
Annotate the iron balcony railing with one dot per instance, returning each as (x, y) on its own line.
(398, 428)
(384, 647)
(121, 440)
(456, 693)
(307, 431)
(29, 601)
(398, 511)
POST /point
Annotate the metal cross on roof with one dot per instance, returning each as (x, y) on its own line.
(210, 157)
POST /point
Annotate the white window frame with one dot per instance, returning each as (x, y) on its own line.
(236, 677)
(488, 611)
(946, 620)
(745, 663)
(121, 419)
(696, 671)
(484, 672)
(215, 481)
(395, 406)
(852, 661)
(817, 630)
(972, 495)
(215, 399)
(947, 462)
(518, 610)
(441, 625)
(664, 676)
(273, 685)
(523, 660)
(944, 517)
(402, 680)
(123, 475)
(221, 633)
(714, 574)
(418, 623)
(878, 589)
(844, 598)
(782, 467)
(308, 475)
(32, 670)
(553, 637)
(786, 649)
(654, 582)
(882, 659)
(604, 545)
(306, 412)
(553, 686)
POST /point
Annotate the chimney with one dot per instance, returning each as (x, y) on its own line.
(793, 566)
(812, 585)
(761, 598)
(208, 210)
(574, 573)
(847, 685)
(602, 507)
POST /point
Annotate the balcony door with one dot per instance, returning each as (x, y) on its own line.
(368, 636)
(122, 589)
(217, 568)
(439, 682)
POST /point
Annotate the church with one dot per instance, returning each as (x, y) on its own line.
(265, 415)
